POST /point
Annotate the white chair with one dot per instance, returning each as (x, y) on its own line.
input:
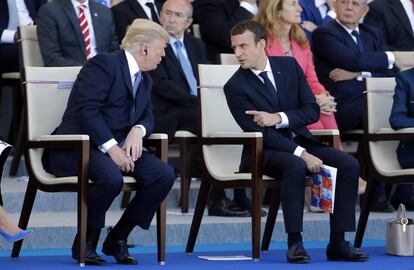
(382, 141)
(47, 92)
(221, 144)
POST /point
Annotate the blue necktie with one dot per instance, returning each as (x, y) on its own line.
(185, 65)
(134, 91)
(359, 40)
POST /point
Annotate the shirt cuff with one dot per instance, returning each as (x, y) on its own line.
(7, 36)
(391, 59)
(106, 146)
(252, 8)
(364, 74)
(298, 151)
(285, 121)
(331, 14)
(144, 130)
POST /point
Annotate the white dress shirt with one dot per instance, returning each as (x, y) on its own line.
(323, 9)
(22, 18)
(133, 69)
(285, 121)
(88, 16)
(252, 8)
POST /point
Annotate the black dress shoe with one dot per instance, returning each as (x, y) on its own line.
(382, 205)
(91, 257)
(226, 208)
(119, 250)
(297, 254)
(345, 252)
(245, 205)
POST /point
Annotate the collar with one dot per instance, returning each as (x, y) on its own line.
(267, 68)
(143, 2)
(76, 4)
(346, 28)
(319, 3)
(132, 64)
(172, 40)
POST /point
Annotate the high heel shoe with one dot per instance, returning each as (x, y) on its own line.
(16, 237)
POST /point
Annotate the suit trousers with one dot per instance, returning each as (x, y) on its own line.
(292, 171)
(154, 178)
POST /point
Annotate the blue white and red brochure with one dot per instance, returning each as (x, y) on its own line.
(323, 189)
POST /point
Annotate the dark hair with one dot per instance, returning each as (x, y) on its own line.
(249, 25)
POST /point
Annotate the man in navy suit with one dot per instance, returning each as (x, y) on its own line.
(129, 10)
(316, 13)
(111, 102)
(59, 31)
(271, 96)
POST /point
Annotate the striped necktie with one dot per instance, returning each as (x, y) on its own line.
(84, 26)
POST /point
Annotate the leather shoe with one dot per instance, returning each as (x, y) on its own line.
(296, 253)
(91, 257)
(226, 208)
(345, 252)
(382, 205)
(119, 250)
(245, 205)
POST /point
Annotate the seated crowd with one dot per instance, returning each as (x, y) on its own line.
(302, 65)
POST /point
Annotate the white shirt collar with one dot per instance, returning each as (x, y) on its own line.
(172, 39)
(346, 28)
(267, 68)
(319, 3)
(76, 4)
(132, 64)
(143, 2)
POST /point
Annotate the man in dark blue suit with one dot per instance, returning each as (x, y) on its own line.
(111, 102)
(59, 31)
(316, 13)
(271, 96)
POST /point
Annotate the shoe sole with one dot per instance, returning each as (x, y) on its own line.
(23, 237)
(348, 260)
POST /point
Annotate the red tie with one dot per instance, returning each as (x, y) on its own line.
(85, 30)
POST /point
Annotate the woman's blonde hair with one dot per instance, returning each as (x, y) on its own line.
(142, 31)
(269, 17)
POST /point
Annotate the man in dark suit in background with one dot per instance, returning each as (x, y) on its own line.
(71, 32)
(316, 13)
(216, 18)
(396, 20)
(271, 96)
(111, 102)
(129, 10)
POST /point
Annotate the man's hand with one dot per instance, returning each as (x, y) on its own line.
(313, 163)
(339, 74)
(265, 119)
(133, 143)
(404, 60)
(308, 25)
(124, 163)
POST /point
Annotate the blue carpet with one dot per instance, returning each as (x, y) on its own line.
(177, 260)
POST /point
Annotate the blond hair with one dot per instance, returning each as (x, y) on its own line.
(268, 16)
(142, 31)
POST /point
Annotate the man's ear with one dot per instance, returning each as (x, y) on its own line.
(366, 10)
(262, 43)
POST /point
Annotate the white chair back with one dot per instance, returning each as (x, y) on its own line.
(228, 59)
(30, 47)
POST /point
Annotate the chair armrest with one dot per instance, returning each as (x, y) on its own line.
(160, 142)
(76, 141)
(184, 134)
(235, 135)
(231, 138)
(388, 134)
(324, 132)
(158, 136)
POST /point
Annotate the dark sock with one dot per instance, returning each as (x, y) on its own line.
(336, 237)
(239, 194)
(121, 230)
(294, 238)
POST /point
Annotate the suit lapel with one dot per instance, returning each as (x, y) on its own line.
(400, 13)
(125, 72)
(190, 52)
(348, 40)
(171, 55)
(137, 9)
(141, 97)
(71, 13)
(96, 24)
(260, 88)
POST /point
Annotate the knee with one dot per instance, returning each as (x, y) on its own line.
(350, 166)
(168, 176)
(112, 186)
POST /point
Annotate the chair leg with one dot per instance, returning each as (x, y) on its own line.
(256, 220)
(161, 225)
(365, 209)
(271, 218)
(20, 145)
(25, 215)
(198, 215)
(126, 197)
(185, 177)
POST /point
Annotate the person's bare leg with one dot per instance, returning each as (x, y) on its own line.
(6, 224)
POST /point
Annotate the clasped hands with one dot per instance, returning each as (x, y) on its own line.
(126, 156)
(326, 103)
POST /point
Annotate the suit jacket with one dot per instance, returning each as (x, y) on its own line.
(60, 37)
(171, 91)
(100, 102)
(245, 91)
(126, 12)
(216, 18)
(391, 18)
(402, 112)
(311, 13)
(334, 48)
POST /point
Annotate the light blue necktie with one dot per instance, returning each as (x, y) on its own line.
(185, 65)
(13, 15)
(134, 91)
